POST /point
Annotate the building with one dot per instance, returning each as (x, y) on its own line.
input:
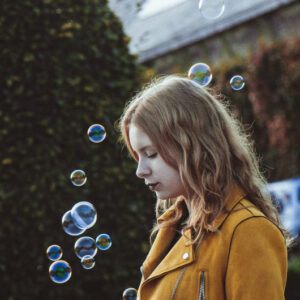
(176, 33)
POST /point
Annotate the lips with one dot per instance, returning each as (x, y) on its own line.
(152, 186)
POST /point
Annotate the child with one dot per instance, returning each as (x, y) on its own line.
(219, 236)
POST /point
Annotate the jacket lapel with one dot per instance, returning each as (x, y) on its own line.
(179, 256)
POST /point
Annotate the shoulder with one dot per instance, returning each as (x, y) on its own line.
(256, 263)
(254, 239)
(248, 219)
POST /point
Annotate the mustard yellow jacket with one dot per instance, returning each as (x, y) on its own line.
(246, 261)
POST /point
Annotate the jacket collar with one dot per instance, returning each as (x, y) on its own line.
(234, 198)
(157, 263)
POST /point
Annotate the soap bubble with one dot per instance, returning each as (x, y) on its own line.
(130, 294)
(237, 82)
(211, 9)
(88, 262)
(84, 214)
(103, 241)
(78, 177)
(69, 226)
(85, 246)
(54, 252)
(96, 133)
(60, 271)
(200, 73)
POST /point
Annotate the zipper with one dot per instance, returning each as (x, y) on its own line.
(202, 287)
(177, 283)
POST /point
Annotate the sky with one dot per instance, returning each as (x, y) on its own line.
(152, 7)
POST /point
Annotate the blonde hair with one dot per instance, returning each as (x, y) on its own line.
(197, 134)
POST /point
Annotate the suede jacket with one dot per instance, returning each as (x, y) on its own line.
(246, 260)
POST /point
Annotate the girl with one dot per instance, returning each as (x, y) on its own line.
(218, 235)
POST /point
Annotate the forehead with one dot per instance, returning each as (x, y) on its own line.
(138, 138)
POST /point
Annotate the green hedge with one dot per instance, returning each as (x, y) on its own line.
(64, 66)
(292, 288)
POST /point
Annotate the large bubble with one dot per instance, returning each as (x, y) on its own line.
(130, 294)
(211, 9)
(60, 271)
(96, 133)
(69, 226)
(85, 246)
(84, 214)
(200, 73)
(103, 241)
(78, 177)
(54, 252)
(237, 82)
(88, 262)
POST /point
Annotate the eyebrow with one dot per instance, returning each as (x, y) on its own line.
(145, 147)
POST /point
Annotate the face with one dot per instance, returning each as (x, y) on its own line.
(152, 168)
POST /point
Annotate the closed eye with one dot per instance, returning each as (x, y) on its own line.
(153, 155)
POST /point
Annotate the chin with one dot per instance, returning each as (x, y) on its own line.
(162, 196)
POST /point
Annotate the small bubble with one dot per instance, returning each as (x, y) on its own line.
(88, 262)
(78, 177)
(69, 226)
(84, 214)
(85, 246)
(54, 252)
(60, 271)
(211, 9)
(237, 82)
(130, 294)
(96, 133)
(200, 73)
(103, 241)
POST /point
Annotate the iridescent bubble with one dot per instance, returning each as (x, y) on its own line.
(84, 214)
(211, 9)
(54, 252)
(78, 177)
(130, 294)
(237, 82)
(96, 133)
(69, 226)
(60, 271)
(103, 241)
(200, 73)
(88, 262)
(85, 246)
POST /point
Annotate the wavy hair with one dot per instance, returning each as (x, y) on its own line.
(198, 135)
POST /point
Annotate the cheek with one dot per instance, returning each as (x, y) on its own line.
(173, 177)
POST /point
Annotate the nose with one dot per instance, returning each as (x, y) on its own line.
(142, 170)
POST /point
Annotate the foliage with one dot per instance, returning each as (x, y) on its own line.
(294, 265)
(64, 66)
(268, 105)
(292, 288)
(274, 74)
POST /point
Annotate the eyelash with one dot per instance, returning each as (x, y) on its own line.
(152, 156)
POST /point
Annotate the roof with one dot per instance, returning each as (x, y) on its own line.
(182, 24)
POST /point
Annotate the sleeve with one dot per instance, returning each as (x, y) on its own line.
(257, 262)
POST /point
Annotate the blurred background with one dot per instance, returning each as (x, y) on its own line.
(66, 65)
